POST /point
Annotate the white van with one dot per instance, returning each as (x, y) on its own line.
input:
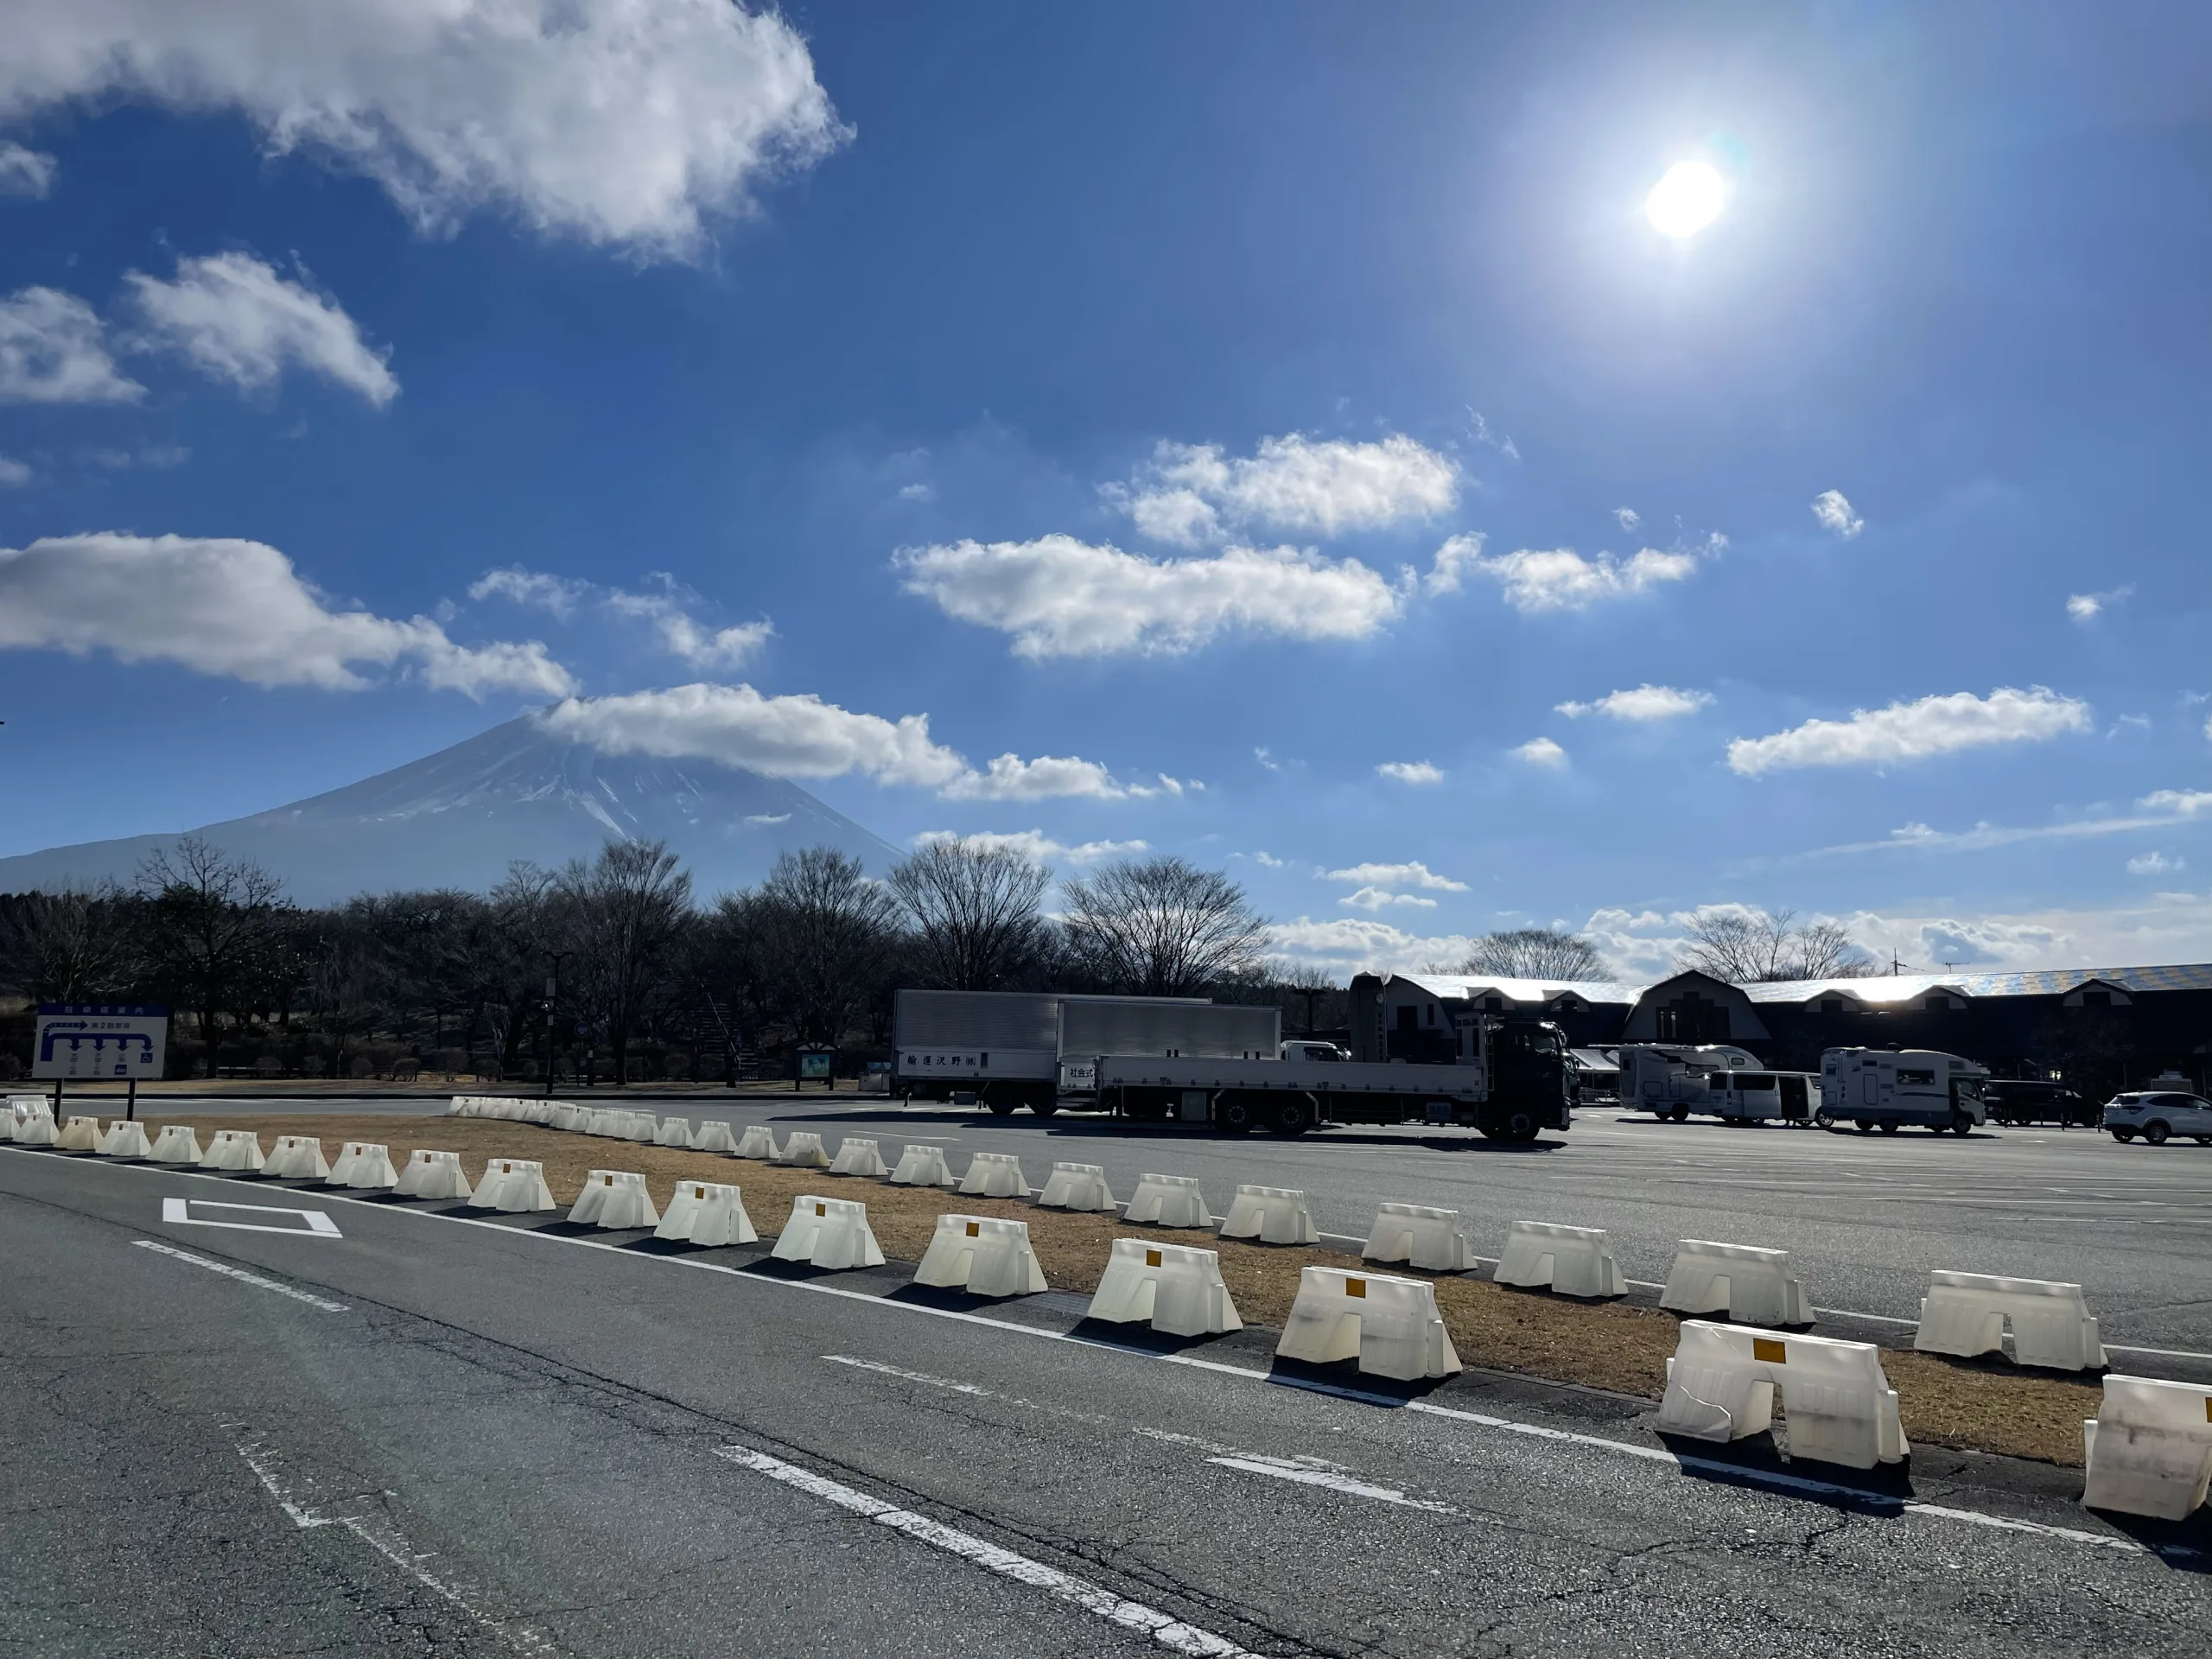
(1713, 1080)
(1886, 1087)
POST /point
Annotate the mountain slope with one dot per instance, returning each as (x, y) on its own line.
(457, 818)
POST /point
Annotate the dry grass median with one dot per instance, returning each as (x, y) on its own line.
(1602, 1345)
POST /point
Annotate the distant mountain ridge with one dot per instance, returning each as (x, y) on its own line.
(457, 818)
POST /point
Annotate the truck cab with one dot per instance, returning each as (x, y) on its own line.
(1310, 1048)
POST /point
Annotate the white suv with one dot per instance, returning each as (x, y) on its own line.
(2156, 1114)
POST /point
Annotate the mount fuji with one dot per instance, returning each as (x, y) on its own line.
(457, 818)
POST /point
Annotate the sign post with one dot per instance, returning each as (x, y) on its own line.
(99, 1041)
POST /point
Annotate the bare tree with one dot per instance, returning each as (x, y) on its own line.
(1163, 927)
(1535, 953)
(70, 946)
(628, 906)
(220, 925)
(975, 909)
(826, 936)
(1747, 947)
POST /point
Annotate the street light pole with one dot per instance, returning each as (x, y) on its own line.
(552, 1002)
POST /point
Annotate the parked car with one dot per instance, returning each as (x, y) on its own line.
(2024, 1100)
(2159, 1115)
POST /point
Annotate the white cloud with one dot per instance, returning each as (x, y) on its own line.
(2186, 803)
(1629, 519)
(1559, 578)
(1035, 843)
(802, 737)
(2154, 864)
(233, 318)
(1541, 751)
(1060, 597)
(1410, 875)
(1646, 703)
(235, 608)
(52, 351)
(2087, 608)
(1382, 899)
(1984, 835)
(1266, 759)
(618, 122)
(782, 737)
(761, 820)
(1914, 731)
(1192, 493)
(1458, 554)
(1271, 862)
(1009, 778)
(1352, 944)
(917, 492)
(1504, 446)
(13, 472)
(1834, 513)
(668, 609)
(1410, 772)
(25, 172)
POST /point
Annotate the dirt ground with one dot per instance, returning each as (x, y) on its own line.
(1969, 1404)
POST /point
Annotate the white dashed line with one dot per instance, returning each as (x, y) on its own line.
(241, 1274)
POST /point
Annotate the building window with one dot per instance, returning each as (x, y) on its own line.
(1408, 1017)
(1693, 1019)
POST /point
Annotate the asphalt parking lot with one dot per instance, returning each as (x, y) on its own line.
(418, 1432)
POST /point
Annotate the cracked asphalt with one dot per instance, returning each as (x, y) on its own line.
(503, 1443)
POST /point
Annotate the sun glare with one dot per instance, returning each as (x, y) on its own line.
(1687, 199)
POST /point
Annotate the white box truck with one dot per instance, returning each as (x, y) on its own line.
(1713, 1080)
(1887, 1088)
(1516, 1083)
(1008, 1049)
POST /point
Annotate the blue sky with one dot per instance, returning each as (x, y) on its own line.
(1254, 423)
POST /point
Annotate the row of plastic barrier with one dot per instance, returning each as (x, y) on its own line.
(2148, 1449)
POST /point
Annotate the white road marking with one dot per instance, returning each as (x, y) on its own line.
(379, 1534)
(319, 1225)
(1278, 1469)
(241, 1274)
(1169, 1632)
(1533, 1431)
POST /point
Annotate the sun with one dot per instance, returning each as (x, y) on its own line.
(1687, 199)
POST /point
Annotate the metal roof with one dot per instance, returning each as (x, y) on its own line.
(1462, 987)
(1880, 990)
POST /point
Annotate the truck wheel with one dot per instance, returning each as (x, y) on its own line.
(1962, 1125)
(1680, 1113)
(1865, 1126)
(1889, 1126)
(999, 1108)
(1044, 1108)
(2156, 1132)
(1289, 1117)
(1233, 1114)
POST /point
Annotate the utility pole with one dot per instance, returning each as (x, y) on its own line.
(552, 1001)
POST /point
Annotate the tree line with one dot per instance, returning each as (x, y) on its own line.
(611, 968)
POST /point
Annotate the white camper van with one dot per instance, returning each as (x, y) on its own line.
(1713, 1080)
(1884, 1088)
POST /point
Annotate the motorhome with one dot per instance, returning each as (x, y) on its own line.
(1888, 1088)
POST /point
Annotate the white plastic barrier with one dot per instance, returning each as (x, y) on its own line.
(994, 1175)
(566, 1117)
(1077, 1186)
(296, 1157)
(922, 1166)
(176, 1144)
(432, 1175)
(1168, 1201)
(829, 1233)
(37, 1129)
(2150, 1448)
(1722, 1380)
(514, 1186)
(1419, 1237)
(673, 1131)
(614, 1197)
(126, 1138)
(363, 1164)
(1273, 1215)
(856, 1156)
(641, 1127)
(79, 1135)
(759, 1142)
(20, 1107)
(234, 1149)
(1750, 1285)
(802, 1150)
(983, 1255)
(1964, 1313)
(713, 1135)
(706, 1212)
(1177, 1287)
(1389, 1324)
(1573, 1261)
